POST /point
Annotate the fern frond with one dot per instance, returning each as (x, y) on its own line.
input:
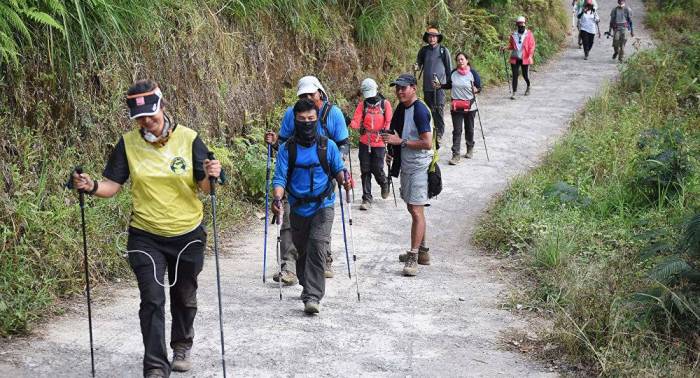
(42, 18)
(691, 236)
(8, 49)
(11, 16)
(54, 6)
(669, 269)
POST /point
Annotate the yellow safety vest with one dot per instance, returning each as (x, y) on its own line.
(163, 188)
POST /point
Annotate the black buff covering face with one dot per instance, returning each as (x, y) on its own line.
(305, 132)
(521, 29)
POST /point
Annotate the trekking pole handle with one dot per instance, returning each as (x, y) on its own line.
(212, 180)
(69, 184)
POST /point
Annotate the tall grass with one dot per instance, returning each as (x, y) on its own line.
(609, 222)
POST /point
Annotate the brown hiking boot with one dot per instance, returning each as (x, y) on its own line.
(181, 359)
(410, 268)
(366, 205)
(385, 190)
(470, 152)
(423, 256)
(311, 307)
(454, 160)
(527, 91)
(288, 278)
(328, 271)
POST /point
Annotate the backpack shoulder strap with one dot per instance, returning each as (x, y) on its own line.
(325, 111)
(291, 158)
(322, 151)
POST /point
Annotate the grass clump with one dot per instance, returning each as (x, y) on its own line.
(610, 223)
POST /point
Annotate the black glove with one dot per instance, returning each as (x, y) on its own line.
(363, 131)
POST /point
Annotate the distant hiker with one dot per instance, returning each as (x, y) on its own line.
(588, 20)
(306, 165)
(167, 164)
(410, 149)
(331, 124)
(620, 22)
(578, 8)
(522, 47)
(372, 115)
(464, 81)
(434, 60)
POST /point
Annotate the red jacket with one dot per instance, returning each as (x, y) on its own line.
(528, 48)
(373, 122)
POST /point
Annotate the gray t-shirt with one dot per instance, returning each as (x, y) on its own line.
(618, 15)
(462, 87)
(415, 160)
(432, 64)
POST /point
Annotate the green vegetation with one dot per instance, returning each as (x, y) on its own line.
(228, 69)
(609, 226)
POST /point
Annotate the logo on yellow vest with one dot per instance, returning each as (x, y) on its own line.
(178, 165)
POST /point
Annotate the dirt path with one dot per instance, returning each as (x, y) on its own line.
(445, 322)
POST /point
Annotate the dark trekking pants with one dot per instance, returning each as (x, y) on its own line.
(519, 66)
(619, 41)
(288, 253)
(460, 119)
(436, 108)
(183, 296)
(587, 39)
(371, 164)
(312, 238)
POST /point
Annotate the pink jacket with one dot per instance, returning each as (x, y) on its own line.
(528, 48)
(374, 122)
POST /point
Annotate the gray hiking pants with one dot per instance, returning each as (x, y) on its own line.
(619, 41)
(289, 252)
(312, 237)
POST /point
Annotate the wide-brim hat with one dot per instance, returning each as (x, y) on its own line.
(432, 31)
(144, 104)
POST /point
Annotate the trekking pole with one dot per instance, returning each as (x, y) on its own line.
(352, 243)
(350, 159)
(267, 210)
(342, 217)
(478, 113)
(277, 219)
(212, 195)
(81, 196)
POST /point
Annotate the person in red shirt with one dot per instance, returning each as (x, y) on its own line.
(372, 115)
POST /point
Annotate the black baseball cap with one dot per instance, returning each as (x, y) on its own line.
(404, 80)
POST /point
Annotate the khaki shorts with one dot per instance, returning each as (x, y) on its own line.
(414, 187)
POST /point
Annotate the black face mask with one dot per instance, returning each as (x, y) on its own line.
(521, 29)
(305, 132)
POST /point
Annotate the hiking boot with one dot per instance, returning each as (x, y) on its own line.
(512, 96)
(527, 91)
(181, 359)
(423, 256)
(311, 307)
(410, 268)
(470, 152)
(385, 190)
(288, 278)
(454, 160)
(585, 56)
(614, 55)
(366, 205)
(328, 271)
(154, 373)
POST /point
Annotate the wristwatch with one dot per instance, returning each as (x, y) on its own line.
(404, 142)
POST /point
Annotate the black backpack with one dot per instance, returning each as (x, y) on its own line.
(322, 152)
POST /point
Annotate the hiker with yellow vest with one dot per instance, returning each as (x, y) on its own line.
(167, 163)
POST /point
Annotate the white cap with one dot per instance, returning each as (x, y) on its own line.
(309, 84)
(368, 88)
(520, 19)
